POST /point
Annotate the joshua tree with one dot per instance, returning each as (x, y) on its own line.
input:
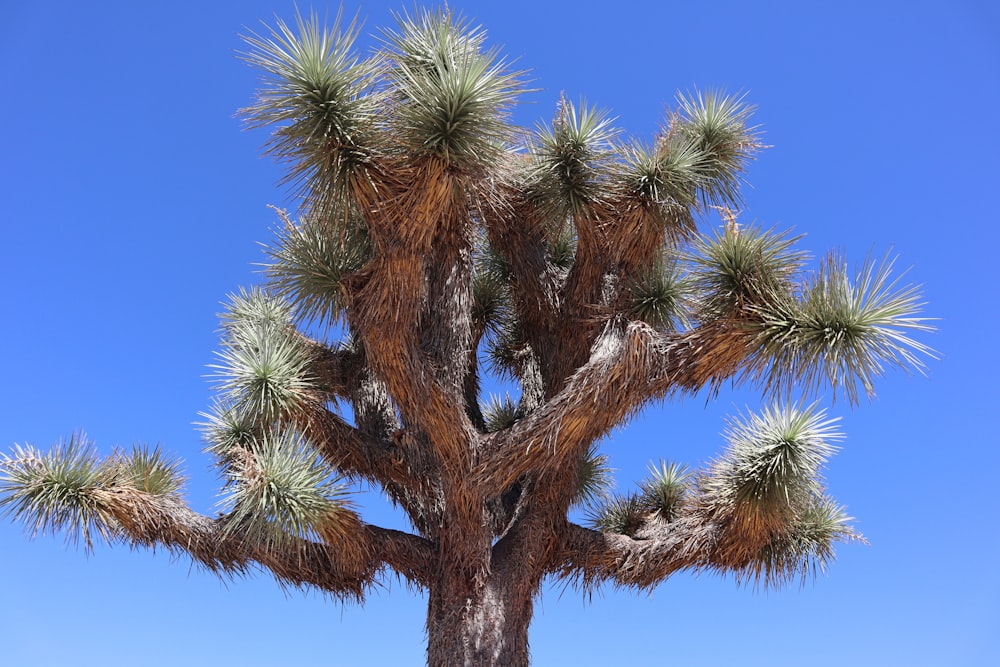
(440, 243)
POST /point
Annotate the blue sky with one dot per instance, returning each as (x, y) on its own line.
(133, 203)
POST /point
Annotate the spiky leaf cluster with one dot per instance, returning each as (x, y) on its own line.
(665, 489)
(264, 367)
(491, 291)
(281, 489)
(595, 479)
(145, 469)
(805, 549)
(770, 473)
(53, 491)
(312, 257)
(570, 159)
(451, 96)
(500, 413)
(845, 331)
(69, 488)
(620, 514)
(659, 296)
(318, 95)
(717, 124)
(739, 270)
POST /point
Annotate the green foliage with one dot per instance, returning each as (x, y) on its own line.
(281, 489)
(595, 479)
(666, 178)
(318, 95)
(806, 548)
(844, 332)
(491, 297)
(265, 366)
(717, 124)
(660, 297)
(770, 473)
(146, 470)
(54, 491)
(311, 259)
(664, 490)
(622, 515)
(562, 248)
(570, 159)
(741, 269)
(507, 348)
(228, 430)
(499, 413)
(451, 98)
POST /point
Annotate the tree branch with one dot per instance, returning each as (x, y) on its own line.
(347, 567)
(629, 366)
(591, 557)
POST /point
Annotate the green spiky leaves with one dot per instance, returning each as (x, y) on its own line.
(499, 413)
(717, 124)
(739, 270)
(622, 515)
(660, 296)
(69, 489)
(316, 94)
(265, 368)
(774, 458)
(282, 490)
(805, 550)
(844, 331)
(452, 95)
(595, 479)
(665, 489)
(311, 259)
(146, 470)
(53, 491)
(661, 497)
(767, 491)
(570, 160)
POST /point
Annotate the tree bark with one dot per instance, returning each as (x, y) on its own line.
(478, 624)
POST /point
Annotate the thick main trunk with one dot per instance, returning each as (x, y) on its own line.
(478, 625)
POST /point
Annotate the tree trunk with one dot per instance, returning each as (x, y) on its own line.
(478, 625)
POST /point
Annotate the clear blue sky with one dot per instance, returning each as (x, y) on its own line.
(132, 203)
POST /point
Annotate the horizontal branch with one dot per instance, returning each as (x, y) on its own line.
(135, 499)
(337, 370)
(629, 366)
(592, 557)
(347, 567)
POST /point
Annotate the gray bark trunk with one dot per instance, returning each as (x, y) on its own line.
(478, 625)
